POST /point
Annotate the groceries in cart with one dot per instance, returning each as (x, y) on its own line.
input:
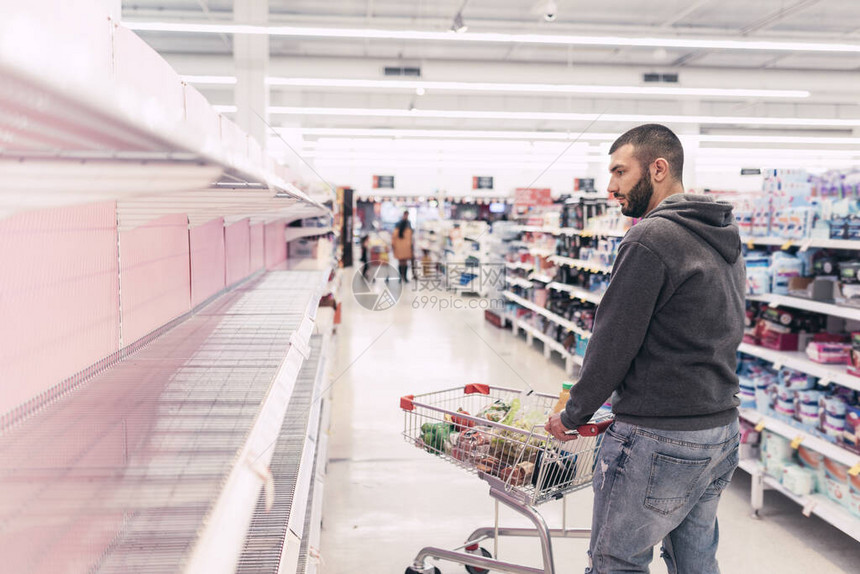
(502, 437)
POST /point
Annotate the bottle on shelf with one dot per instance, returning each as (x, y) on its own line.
(563, 396)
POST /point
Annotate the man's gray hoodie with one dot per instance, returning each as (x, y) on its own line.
(667, 330)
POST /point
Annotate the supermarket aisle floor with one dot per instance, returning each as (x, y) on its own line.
(385, 499)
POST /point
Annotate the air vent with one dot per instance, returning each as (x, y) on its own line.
(402, 71)
(665, 78)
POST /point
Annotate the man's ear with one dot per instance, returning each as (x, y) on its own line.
(660, 170)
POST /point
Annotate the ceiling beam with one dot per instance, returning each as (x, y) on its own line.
(777, 15)
(684, 13)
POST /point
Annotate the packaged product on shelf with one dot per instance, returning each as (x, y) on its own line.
(854, 369)
(776, 452)
(829, 353)
(783, 268)
(765, 391)
(825, 263)
(747, 392)
(808, 405)
(581, 345)
(814, 462)
(851, 430)
(750, 440)
(758, 272)
(800, 481)
(795, 380)
(761, 216)
(832, 415)
(785, 405)
(835, 479)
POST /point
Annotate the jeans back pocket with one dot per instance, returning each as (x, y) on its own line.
(671, 482)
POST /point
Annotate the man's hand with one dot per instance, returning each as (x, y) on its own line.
(556, 428)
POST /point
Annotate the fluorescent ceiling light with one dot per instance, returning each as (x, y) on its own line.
(497, 38)
(449, 134)
(563, 116)
(410, 85)
(553, 136)
(210, 80)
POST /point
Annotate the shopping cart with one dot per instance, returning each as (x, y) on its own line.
(522, 464)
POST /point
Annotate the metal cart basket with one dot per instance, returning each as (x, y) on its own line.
(474, 428)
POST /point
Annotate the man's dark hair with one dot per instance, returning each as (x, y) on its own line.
(652, 141)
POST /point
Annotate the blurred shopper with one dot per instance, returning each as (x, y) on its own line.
(365, 254)
(664, 346)
(401, 243)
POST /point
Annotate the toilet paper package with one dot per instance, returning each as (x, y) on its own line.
(747, 392)
(808, 405)
(832, 415)
(785, 401)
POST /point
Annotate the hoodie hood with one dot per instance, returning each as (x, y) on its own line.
(705, 217)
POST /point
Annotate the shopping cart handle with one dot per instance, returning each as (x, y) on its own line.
(593, 429)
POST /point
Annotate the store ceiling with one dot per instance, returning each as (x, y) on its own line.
(307, 112)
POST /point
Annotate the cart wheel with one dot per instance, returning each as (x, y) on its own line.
(411, 570)
(475, 570)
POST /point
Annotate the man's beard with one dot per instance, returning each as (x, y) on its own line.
(639, 197)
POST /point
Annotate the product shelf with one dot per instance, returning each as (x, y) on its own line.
(540, 277)
(577, 292)
(851, 244)
(116, 122)
(525, 284)
(293, 233)
(843, 311)
(580, 264)
(572, 231)
(799, 361)
(519, 265)
(548, 341)
(174, 441)
(546, 313)
(541, 252)
(816, 504)
(827, 448)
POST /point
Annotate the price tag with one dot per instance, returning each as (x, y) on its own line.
(824, 381)
(777, 365)
(751, 244)
(583, 299)
(773, 304)
(760, 426)
(787, 245)
(807, 243)
(854, 470)
(796, 442)
(808, 507)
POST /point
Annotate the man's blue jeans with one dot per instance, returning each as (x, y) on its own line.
(655, 485)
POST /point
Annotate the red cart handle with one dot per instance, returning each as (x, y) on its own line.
(593, 429)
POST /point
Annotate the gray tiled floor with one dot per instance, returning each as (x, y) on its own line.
(385, 499)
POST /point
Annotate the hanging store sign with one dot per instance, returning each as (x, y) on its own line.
(482, 182)
(383, 182)
(530, 196)
(584, 184)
